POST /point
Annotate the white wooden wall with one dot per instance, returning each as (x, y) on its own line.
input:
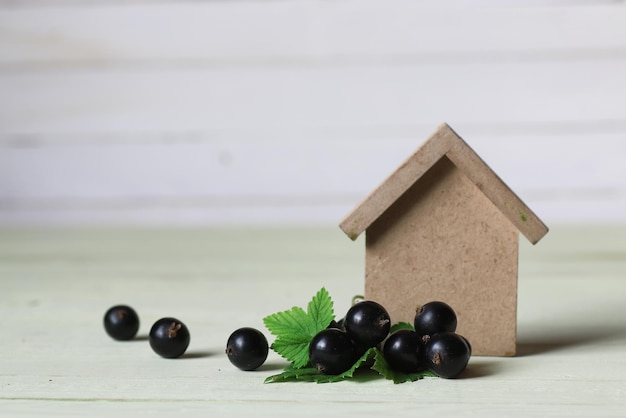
(238, 112)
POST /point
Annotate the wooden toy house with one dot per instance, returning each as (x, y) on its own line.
(444, 227)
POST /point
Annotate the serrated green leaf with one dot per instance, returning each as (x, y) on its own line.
(292, 329)
(401, 325)
(298, 353)
(382, 367)
(295, 328)
(293, 322)
(320, 309)
(292, 373)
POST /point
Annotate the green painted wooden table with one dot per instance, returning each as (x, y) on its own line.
(56, 360)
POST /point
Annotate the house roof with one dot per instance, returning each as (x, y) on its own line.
(444, 143)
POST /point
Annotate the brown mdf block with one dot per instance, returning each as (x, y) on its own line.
(443, 240)
(445, 227)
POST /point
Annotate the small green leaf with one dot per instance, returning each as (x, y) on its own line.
(296, 352)
(293, 373)
(401, 325)
(295, 328)
(289, 323)
(382, 367)
(320, 310)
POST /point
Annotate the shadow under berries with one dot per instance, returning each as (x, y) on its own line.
(141, 338)
(482, 368)
(364, 375)
(269, 366)
(198, 354)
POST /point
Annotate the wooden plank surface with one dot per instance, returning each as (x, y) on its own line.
(55, 359)
(212, 112)
(253, 33)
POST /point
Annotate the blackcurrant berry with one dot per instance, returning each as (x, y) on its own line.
(447, 354)
(404, 351)
(468, 344)
(434, 317)
(169, 337)
(331, 351)
(367, 323)
(341, 324)
(247, 348)
(121, 322)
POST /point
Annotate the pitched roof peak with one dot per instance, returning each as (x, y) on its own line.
(444, 142)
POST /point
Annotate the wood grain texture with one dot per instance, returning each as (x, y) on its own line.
(189, 99)
(56, 360)
(166, 34)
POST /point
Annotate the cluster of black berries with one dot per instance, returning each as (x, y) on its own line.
(336, 348)
(433, 345)
(168, 337)
(247, 348)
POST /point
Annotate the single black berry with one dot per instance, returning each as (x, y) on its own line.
(447, 354)
(468, 344)
(169, 337)
(341, 324)
(247, 348)
(404, 351)
(434, 317)
(121, 322)
(331, 351)
(367, 323)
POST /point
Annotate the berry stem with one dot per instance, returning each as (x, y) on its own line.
(357, 298)
(173, 330)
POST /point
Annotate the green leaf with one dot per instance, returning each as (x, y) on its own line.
(293, 373)
(293, 323)
(320, 309)
(295, 328)
(401, 325)
(310, 374)
(382, 367)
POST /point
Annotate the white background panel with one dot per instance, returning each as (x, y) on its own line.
(160, 112)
